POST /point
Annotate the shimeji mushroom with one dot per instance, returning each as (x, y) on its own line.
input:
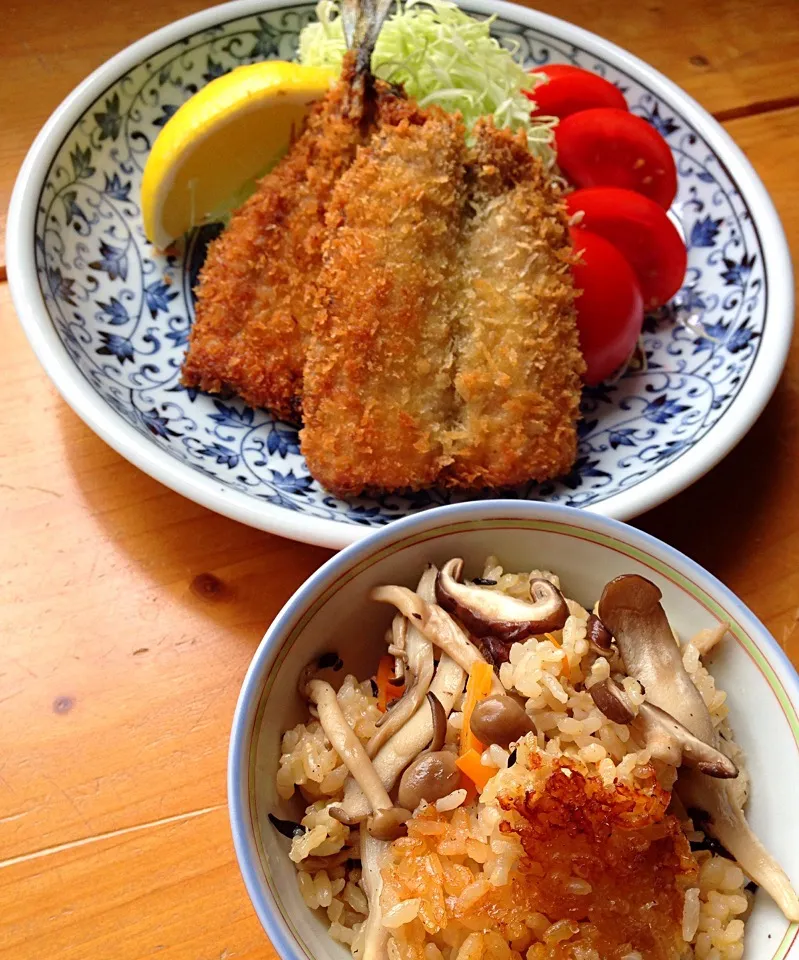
(630, 607)
(386, 821)
(397, 645)
(414, 736)
(436, 624)
(434, 773)
(598, 636)
(408, 742)
(419, 654)
(501, 720)
(490, 613)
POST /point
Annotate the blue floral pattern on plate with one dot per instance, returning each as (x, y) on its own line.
(124, 313)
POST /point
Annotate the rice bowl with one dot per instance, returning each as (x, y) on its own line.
(705, 901)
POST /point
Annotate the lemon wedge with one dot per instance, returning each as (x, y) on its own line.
(228, 134)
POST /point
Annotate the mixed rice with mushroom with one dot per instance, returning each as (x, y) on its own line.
(525, 778)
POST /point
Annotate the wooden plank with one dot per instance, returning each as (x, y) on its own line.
(129, 618)
(737, 53)
(170, 890)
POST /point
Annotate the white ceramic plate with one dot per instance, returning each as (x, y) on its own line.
(331, 611)
(109, 319)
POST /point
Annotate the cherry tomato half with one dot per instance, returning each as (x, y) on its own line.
(570, 89)
(640, 230)
(613, 148)
(610, 309)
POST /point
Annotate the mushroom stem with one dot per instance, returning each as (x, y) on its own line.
(437, 625)
(343, 740)
(421, 665)
(409, 741)
(375, 934)
(398, 644)
(728, 825)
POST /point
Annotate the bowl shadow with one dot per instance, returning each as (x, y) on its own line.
(234, 575)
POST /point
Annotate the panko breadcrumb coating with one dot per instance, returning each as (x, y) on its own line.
(256, 295)
(518, 363)
(454, 357)
(408, 297)
(379, 375)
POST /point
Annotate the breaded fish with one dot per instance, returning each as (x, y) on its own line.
(445, 350)
(255, 298)
(408, 297)
(379, 375)
(518, 362)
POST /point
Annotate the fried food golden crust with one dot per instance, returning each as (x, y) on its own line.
(255, 298)
(446, 346)
(518, 362)
(378, 379)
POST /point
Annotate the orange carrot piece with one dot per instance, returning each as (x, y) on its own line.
(478, 687)
(388, 688)
(469, 764)
(564, 665)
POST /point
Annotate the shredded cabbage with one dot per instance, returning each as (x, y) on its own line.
(440, 55)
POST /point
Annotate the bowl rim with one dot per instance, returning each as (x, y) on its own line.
(347, 560)
(103, 420)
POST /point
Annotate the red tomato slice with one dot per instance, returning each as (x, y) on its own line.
(639, 229)
(571, 89)
(614, 148)
(610, 309)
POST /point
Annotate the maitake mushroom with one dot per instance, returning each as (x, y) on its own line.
(630, 608)
(489, 613)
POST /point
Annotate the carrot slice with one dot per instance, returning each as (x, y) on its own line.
(388, 688)
(469, 764)
(478, 687)
(564, 666)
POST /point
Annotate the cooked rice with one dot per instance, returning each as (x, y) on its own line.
(462, 855)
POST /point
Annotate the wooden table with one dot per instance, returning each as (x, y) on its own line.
(129, 615)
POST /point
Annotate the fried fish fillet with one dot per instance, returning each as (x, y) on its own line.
(255, 298)
(445, 350)
(379, 390)
(518, 362)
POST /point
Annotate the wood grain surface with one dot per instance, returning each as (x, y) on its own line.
(128, 615)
